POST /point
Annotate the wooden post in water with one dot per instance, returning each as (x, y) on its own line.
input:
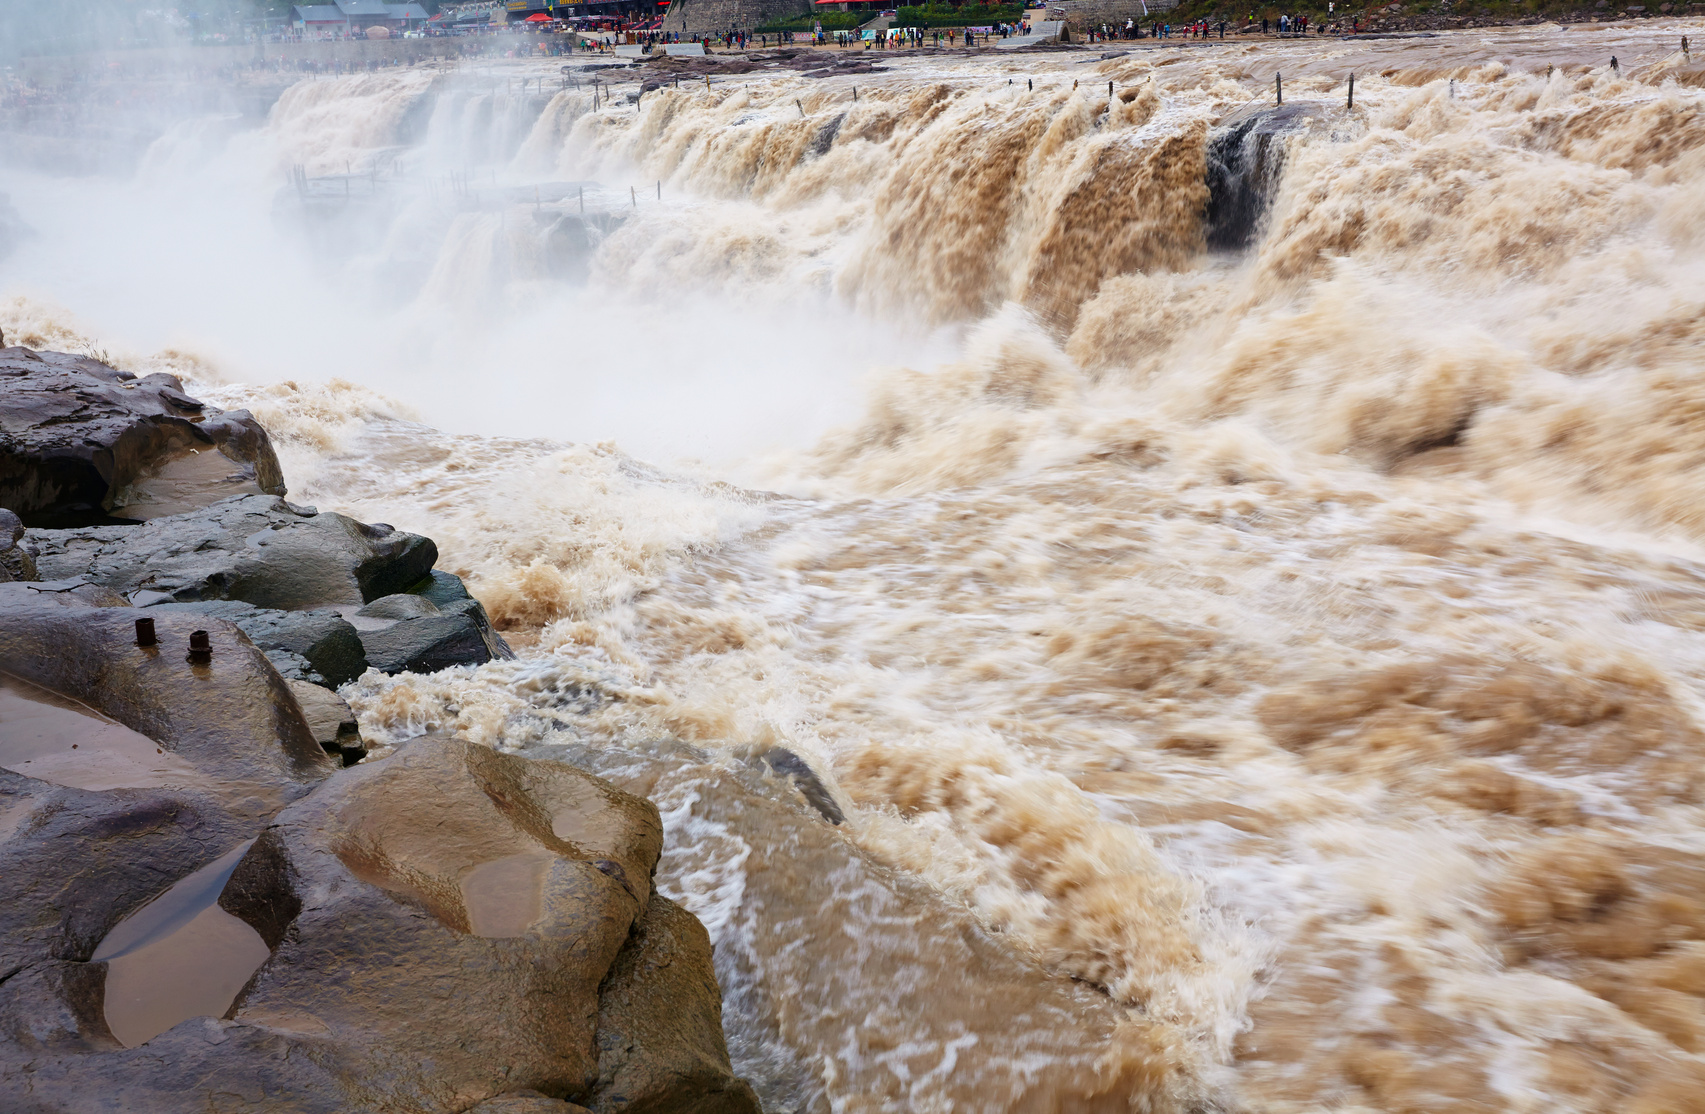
(1279, 87)
(799, 106)
(633, 195)
(1352, 102)
(582, 200)
(660, 189)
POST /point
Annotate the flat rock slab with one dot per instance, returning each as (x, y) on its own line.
(78, 439)
(258, 549)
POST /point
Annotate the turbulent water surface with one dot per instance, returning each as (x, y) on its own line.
(1262, 677)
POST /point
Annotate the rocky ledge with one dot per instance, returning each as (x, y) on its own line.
(208, 900)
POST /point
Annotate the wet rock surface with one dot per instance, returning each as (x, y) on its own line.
(258, 549)
(317, 646)
(257, 929)
(331, 721)
(209, 716)
(78, 439)
(1246, 156)
(458, 634)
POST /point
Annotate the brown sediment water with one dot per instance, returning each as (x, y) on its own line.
(55, 738)
(1265, 680)
(503, 897)
(179, 956)
(193, 480)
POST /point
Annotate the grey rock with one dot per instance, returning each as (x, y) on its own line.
(75, 435)
(1246, 155)
(460, 634)
(322, 639)
(442, 588)
(295, 667)
(331, 720)
(790, 765)
(475, 610)
(255, 548)
(403, 605)
(427, 645)
(661, 1049)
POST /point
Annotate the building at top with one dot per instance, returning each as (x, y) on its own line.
(346, 17)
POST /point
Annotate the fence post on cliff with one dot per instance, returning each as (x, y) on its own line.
(1352, 102)
(1279, 87)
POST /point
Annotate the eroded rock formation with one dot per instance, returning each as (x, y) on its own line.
(80, 442)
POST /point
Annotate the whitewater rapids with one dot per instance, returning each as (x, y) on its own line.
(1259, 680)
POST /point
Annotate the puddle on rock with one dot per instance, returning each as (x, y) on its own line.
(186, 484)
(504, 897)
(54, 738)
(180, 956)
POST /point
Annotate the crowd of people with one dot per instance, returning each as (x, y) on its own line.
(1207, 29)
(901, 37)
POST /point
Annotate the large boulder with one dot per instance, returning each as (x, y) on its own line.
(198, 909)
(1246, 159)
(257, 549)
(228, 726)
(448, 928)
(409, 633)
(156, 767)
(660, 1041)
(82, 443)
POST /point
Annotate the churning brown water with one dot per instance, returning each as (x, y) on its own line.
(1264, 679)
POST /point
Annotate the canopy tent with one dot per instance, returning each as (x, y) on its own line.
(537, 17)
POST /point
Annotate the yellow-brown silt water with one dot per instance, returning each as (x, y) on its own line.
(1266, 677)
